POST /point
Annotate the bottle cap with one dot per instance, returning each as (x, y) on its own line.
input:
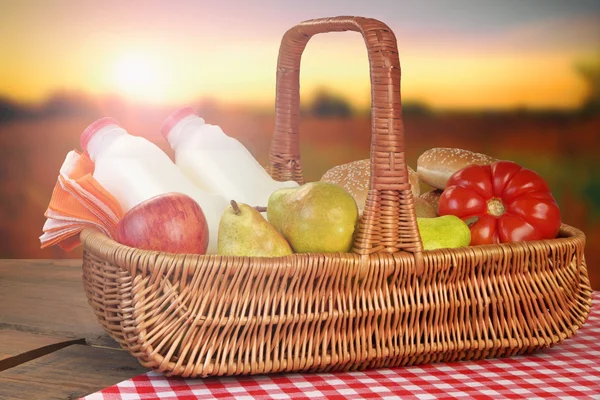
(173, 120)
(93, 128)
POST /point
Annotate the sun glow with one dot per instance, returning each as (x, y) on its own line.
(140, 77)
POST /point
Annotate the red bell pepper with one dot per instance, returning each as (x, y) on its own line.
(511, 203)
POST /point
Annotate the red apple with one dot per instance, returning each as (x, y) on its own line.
(170, 222)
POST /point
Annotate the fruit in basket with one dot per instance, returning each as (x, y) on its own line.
(355, 177)
(443, 232)
(512, 203)
(276, 207)
(170, 222)
(243, 231)
(317, 217)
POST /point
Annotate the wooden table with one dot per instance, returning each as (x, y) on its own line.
(51, 345)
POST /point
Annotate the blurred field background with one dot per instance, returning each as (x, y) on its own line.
(515, 80)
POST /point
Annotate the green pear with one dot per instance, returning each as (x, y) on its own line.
(447, 231)
(317, 217)
(243, 231)
(276, 206)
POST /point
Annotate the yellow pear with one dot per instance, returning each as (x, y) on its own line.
(317, 217)
(447, 231)
(243, 231)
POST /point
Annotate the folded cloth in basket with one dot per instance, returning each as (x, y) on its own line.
(78, 201)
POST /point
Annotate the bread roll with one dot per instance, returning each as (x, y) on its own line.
(433, 198)
(355, 176)
(423, 209)
(436, 166)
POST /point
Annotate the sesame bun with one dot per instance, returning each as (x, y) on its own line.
(355, 176)
(435, 166)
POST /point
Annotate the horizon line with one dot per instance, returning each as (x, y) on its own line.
(221, 103)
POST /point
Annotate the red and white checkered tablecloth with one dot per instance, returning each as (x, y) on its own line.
(570, 370)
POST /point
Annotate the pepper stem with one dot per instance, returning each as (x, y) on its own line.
(236, 208)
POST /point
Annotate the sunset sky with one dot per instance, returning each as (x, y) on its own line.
(459, 54)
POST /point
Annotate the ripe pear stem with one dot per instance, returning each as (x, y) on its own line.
(471, 221)
(260, 209)
(235, 207)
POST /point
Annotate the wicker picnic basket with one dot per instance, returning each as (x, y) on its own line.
(386, 303)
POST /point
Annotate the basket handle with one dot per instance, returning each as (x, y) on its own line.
(388, 223)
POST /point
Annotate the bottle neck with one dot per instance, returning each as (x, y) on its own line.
(183, 130)
(102, 139)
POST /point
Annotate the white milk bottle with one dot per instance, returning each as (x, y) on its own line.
(133, 170)
(216, 162)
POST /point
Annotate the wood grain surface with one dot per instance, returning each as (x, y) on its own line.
(18, 347)
(68, 373)
(51, 344)
(46, 297)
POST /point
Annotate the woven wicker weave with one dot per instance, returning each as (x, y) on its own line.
(386, 303)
